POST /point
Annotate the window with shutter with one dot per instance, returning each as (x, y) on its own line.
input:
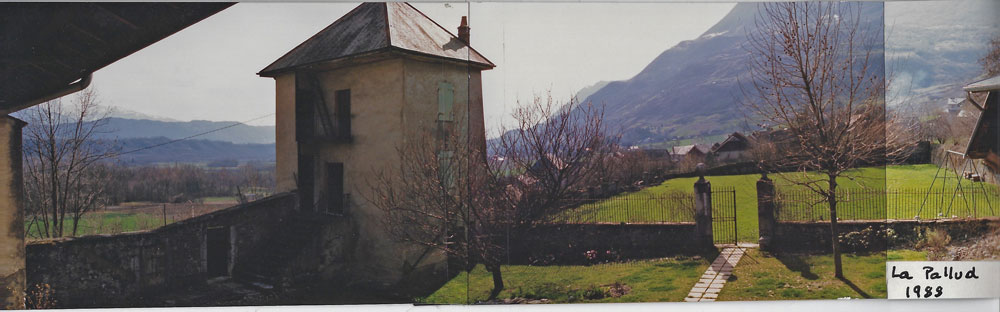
(446, 100)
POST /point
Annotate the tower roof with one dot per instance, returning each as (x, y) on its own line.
(378, 27)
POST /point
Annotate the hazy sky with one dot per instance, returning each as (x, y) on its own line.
(208, 71)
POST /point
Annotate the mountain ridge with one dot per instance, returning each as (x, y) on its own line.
(930, 49)
(237, 133)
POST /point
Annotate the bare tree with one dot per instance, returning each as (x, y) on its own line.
(948, 129)
(813, 71)
(557, 154)
(991, 61)
(66, 173)
(252, 184)
(449, 195)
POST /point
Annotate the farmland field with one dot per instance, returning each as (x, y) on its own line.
(131, 217)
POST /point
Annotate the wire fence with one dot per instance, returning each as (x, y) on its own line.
(122, 219)
(633, 208)
(974, 201)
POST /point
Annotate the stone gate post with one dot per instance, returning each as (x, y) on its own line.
(765, 212)
(703, 207)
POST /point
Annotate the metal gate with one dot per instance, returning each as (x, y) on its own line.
(724, 230)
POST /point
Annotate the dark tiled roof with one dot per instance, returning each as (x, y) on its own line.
(992, 83)
(735, 141)
(376, 27)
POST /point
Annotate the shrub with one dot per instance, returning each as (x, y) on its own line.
(40, 296)
(594, 256)
(864, 240)
(935, 242)
(554, 292)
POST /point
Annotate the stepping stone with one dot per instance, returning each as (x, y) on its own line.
(714, 279)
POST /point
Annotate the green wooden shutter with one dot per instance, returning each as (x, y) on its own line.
(446, 100)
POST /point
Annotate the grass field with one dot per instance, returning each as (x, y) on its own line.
(131, 217)
(909, 185)
(746, 199)
(667, 279)
(105, 223)
(913, 180)
(791, 276)
(756, 277)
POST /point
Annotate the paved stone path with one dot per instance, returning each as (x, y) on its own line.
(711, 283)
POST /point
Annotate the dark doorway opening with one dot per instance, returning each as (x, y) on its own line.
(335, 188)
(219, 247)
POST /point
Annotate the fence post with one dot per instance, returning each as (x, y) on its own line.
(703, 207)
(765, 212)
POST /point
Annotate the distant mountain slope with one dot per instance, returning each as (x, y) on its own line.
(191, 151)
(124, 113)
(692, 89)
(143, 128)
(933, 47)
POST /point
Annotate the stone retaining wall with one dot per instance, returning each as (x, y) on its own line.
(118, 270)
(876, 235)
(570, 243)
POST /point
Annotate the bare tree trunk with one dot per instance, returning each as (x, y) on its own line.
(497, 281)
(76, 223)
(54, 182)
(832, 199)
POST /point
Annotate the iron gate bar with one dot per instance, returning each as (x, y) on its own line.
(724, 218)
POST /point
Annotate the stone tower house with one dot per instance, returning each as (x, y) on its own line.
(348, 97)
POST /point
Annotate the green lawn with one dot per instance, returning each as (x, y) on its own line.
(804, 276)
(106, 223)
(650, 280)
(746, 199)
(909, 186)
(220, 199)
(671, 201)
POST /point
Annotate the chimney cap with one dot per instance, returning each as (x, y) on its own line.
(463, 30)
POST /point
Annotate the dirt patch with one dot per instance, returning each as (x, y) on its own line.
(986, 247)
(618, 289)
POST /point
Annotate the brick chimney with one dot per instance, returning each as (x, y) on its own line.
(463, 30)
